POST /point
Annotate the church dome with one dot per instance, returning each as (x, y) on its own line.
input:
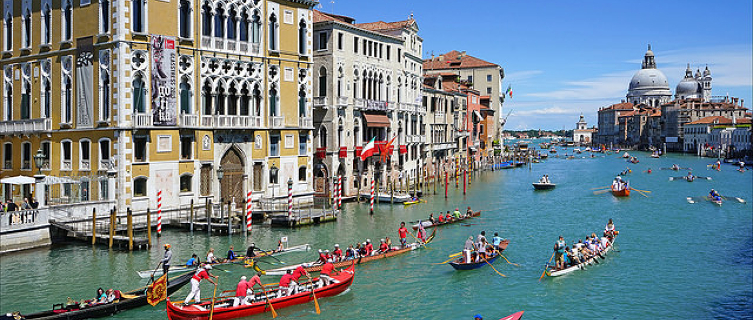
(688, 88)
(649, 79)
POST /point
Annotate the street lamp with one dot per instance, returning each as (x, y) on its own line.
(39, 160)
(220, 175)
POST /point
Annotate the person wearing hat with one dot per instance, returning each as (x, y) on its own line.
(240, 292)
(250, 252)
(369, 248)
(478, 317)
(468, 213)
(295, 278)
(337, 254)
(328, 270)
(327, 255)
(256, 279)
(322, 257)
(383, 246)
(285, 288)
(195, 289)
(166, 260)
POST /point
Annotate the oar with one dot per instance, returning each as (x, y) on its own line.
(453, 258)
(600, 188)
(601, 191)
(274, 313)
(214, 295)
(640, 192)
(455, 254)
(508, 261)
(736, 198)
(646, 191)
(153, 272)
(547, 263)
(313, 289)
(495, 270)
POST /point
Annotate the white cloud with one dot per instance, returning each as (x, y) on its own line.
(519, 76)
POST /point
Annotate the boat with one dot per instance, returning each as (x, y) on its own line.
(626, 155)
(427, 224)
(716, 201)
(543, 186)
(386, 197)
(129, 300)
(316, 267)
(552, 150)
(581, 266)
(412, 202)
(183, 268)
(458, 263)
(544, 156)
(621, 193)
(222, 308)
(577, 150)
(515, 316)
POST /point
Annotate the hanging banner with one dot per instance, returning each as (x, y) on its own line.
(163, 81)
(84, 83)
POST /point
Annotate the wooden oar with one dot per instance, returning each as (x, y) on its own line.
(547, 263)
(455, 254)
(736, 198)
(214, 295)
(602, 191)
(495, 270)
(640, 192)
(607, 187)
(266, 295)
(646, 191)
(453, 258)
(508, 261)
(313, 288)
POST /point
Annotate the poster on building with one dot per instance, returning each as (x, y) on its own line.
(163, 81)
(84, 83)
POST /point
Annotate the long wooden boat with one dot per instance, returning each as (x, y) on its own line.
(620, 193)
(223, 308)
(239, 259)
(543, 186)
(316, 267)
(550, 271)
(458, 264)
(387, 198)
(514, 316)
(136, 298)
(427, 224)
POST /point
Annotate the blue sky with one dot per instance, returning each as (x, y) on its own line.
(564, 58)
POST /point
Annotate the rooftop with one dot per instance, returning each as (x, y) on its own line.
(456, 60)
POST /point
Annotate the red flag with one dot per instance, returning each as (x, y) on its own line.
(157, 291)
(368, 150)
(386, 150)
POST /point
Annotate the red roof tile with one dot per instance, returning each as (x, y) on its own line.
(456, 60)
(386, 26)
(321, 16)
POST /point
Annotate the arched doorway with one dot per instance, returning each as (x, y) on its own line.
(231, 186)
(321, 188)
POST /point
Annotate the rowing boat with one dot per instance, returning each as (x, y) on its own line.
(543, 186)
(223, 308)
(179, 268)
(128, 300)
(427, 224)
(621, 193)
(411, 202)
(514, 316)
(550, 271)
(316, 267)
(459, 264)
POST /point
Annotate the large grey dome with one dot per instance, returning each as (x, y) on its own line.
(649, 79)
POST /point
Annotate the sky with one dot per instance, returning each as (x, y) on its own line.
(566, 58)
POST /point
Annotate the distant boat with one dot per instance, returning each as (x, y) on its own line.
(543, 186)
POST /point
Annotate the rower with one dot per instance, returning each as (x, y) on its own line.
(250, 251)
(210, 256)
(327, 255)
(468, 212)
(285, 288)
(327, 272)
(256, 279)
(297, 273)
(403, 234)
(440, 219)
(197, 277)
(194, 261)
(559, 250)
(383, 246)
(369, 248)
(231, 254)
(241, 291)
(166, 260)
(431, 218)
(448, 217)
(496, 241)
(456, 213)
(337, 254)
(350, 253)
(609, 229)
(322, 257)
(481, 237)
(467, 249)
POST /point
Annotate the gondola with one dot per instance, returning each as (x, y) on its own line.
(135, 299)
(427, 224)
(460, 265)
(316, 267)
(223, 308)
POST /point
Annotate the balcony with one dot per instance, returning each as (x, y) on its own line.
(343, 152)
(231, 45)
(207, 121)
(342, 101)
(66, 165)
(106, 164)
(25, 127)
(256, 122)
(371, 104)
(189, 120)
(85, 165)
(142, 120)
(305, 122)
(320, 101)
(321, 153)
(276, 122)
(422, 139)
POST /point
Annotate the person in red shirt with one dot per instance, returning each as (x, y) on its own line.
(322, 257)
(240, 292)
(285, 288)
(197, 277)
(383, 247)
(369, 247)
(327, 272)
(297, 273)
(337, 254)
(250, 287)
(440, 218)
(403, 233)
(327, 255)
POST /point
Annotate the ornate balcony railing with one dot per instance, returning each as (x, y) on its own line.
(276, 122)
(207, 121)
(85, 165)
(305, 122)
(141, 120)
(25, 126)
(189, 120)
(320, 101)
(342, 101)
(106, 164)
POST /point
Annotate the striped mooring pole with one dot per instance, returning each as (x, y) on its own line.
(290, 199)
(159, 213)
(371, 205)
(248, 211)
(339, 192)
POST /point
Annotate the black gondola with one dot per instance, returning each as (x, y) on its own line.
(101, 310)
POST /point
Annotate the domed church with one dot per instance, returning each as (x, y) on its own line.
(649, 86)
(694, 87)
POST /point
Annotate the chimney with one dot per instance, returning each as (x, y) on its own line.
(441, 58)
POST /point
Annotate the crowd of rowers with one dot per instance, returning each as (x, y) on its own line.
(449, 217)
(582, 250)
(481, 249)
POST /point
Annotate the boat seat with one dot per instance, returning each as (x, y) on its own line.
(198, 307)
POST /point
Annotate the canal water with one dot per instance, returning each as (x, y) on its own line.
(674, 259)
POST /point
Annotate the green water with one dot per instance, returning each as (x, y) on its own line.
(675, 260)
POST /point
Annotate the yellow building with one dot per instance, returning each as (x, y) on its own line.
(127, 98)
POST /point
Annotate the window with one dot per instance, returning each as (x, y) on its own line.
(104, 16)
(185, 183)
(104, 154)
(186, 146)
(243, 29)
(302, 39)
(206, 20)
(273, 175)
(104, 189)
(488, 78)
(273, 102)
(399, 54)
(138, 22)
(84, 147)
(322, 41)
(67, 15)
(489, 90)
(232, 21)
(104, 85)
(302, 174)
(139, 94)
(26, 42)
(302, 144)
(273, 32)
(139, 187)
(322, 82)
(288, 16)
(46, 20)
(388, 52)
(185, 19)
(139, 149)
(205, 182)
(355, 44)
(26, 156)
(8, 31)
(470, 78)
(185, 97)
(67, 103)
(46, 153)
(26, 99)
(8, 156)
(302, 104)
(219, 21)
(274, 145)
(66, 146)
(339, 40)
(256, 28)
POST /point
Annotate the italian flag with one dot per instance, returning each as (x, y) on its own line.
(368, 150)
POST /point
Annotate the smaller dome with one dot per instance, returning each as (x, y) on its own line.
(688, 88)
(706, 72)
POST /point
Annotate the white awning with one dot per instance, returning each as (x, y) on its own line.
(18, 180)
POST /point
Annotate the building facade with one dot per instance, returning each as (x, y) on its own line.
(582, 134)
(187, 92)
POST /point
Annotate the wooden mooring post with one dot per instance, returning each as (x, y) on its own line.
(209, 216)
(229, 218)
(148, 228)
(112, 227)
(94, 226)
(129, 220)
(190, 217)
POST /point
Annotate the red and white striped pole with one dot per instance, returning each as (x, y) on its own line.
(159, 213)
(371, 205)
(339, 192)
(248, 211)
(290, 199)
